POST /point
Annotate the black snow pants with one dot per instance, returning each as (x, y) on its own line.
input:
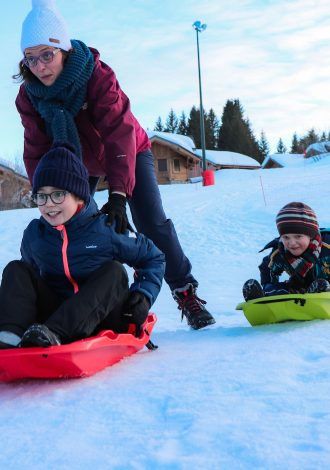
(25, 298)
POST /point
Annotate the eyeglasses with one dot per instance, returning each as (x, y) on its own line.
(57, 197)
(45, 58)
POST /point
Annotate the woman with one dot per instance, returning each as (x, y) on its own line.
(69, 94)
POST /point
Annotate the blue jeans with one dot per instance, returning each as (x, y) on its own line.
(149, 218)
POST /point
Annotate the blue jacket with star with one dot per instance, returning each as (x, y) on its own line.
(67, 255)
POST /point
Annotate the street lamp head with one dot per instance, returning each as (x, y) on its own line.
(198, 26)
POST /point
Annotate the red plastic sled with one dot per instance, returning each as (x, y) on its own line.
(79, 359)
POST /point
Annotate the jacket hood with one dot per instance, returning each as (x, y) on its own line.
(271, 244)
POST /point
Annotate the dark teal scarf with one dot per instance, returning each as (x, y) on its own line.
(59, 103)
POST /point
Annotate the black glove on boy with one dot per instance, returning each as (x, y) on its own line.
(137, 309)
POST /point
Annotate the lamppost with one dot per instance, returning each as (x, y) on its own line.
(199, 28)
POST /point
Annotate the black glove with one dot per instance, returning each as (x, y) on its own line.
(319, 285)
(137, 309)
(116, 210)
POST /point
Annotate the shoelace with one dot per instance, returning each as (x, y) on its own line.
(193, 303)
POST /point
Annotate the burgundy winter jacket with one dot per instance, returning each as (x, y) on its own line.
(110, 135)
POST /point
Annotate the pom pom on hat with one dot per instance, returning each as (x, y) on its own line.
(297, 217)
(44, 25)
(62, 169)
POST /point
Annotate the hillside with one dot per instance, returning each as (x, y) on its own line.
(227, 397)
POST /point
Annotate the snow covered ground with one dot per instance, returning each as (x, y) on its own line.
(228, 397)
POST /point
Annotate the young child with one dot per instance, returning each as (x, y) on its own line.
(70, 282)
(301, 251)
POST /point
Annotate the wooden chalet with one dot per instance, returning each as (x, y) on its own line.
(178, 161)
(175, 159)
(15, 189)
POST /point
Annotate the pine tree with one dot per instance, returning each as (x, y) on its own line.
(171, 123)
(235, 133)
(211, 130)
(159, 125)
(182, 124)
(254, 145)
(194, 126)
(310, 138)
(231, 126)
(281, 148)
(323, 137)
(295, 148)
(263, 145)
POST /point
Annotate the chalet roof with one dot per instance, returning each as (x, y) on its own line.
(220, 157)
(10, 170)
(182, 141)
(284, 159)
(318, 148)
(216, 157)
(6, 167)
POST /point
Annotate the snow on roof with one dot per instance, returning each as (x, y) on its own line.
(318, 148)
(217, 157)
(220, 157)
(10, 166)
(285, 159)
(182, 140)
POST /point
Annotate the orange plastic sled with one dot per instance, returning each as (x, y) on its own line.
(79, 359)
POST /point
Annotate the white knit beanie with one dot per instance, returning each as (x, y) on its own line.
(44, 25)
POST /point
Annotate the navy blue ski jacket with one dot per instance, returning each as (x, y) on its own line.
(66, 255)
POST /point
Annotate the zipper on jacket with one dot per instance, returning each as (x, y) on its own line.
(62, 229)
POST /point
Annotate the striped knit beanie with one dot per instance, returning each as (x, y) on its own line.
(297, 217)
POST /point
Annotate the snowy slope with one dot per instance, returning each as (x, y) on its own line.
(229, 397)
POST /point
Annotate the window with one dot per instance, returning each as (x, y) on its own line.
(162, 164)
(176, 164)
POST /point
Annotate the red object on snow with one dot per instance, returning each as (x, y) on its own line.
(208, 177)
(78, 359)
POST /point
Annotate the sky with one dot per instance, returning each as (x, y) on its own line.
(230, 396)
(272, 55)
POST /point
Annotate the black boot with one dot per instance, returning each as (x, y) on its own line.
(252, 290)
(38, 335)
(192, 307)
(319, 285)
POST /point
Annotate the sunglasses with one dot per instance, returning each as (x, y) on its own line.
(57, 197)
(45, 58)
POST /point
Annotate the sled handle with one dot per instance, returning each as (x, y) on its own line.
(297, 300)
(150, 345)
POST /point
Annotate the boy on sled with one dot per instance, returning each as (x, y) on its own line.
(302, 251)
(70, 282)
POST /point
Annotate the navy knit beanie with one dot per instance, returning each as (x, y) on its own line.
(297, 217)
(62, 169)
